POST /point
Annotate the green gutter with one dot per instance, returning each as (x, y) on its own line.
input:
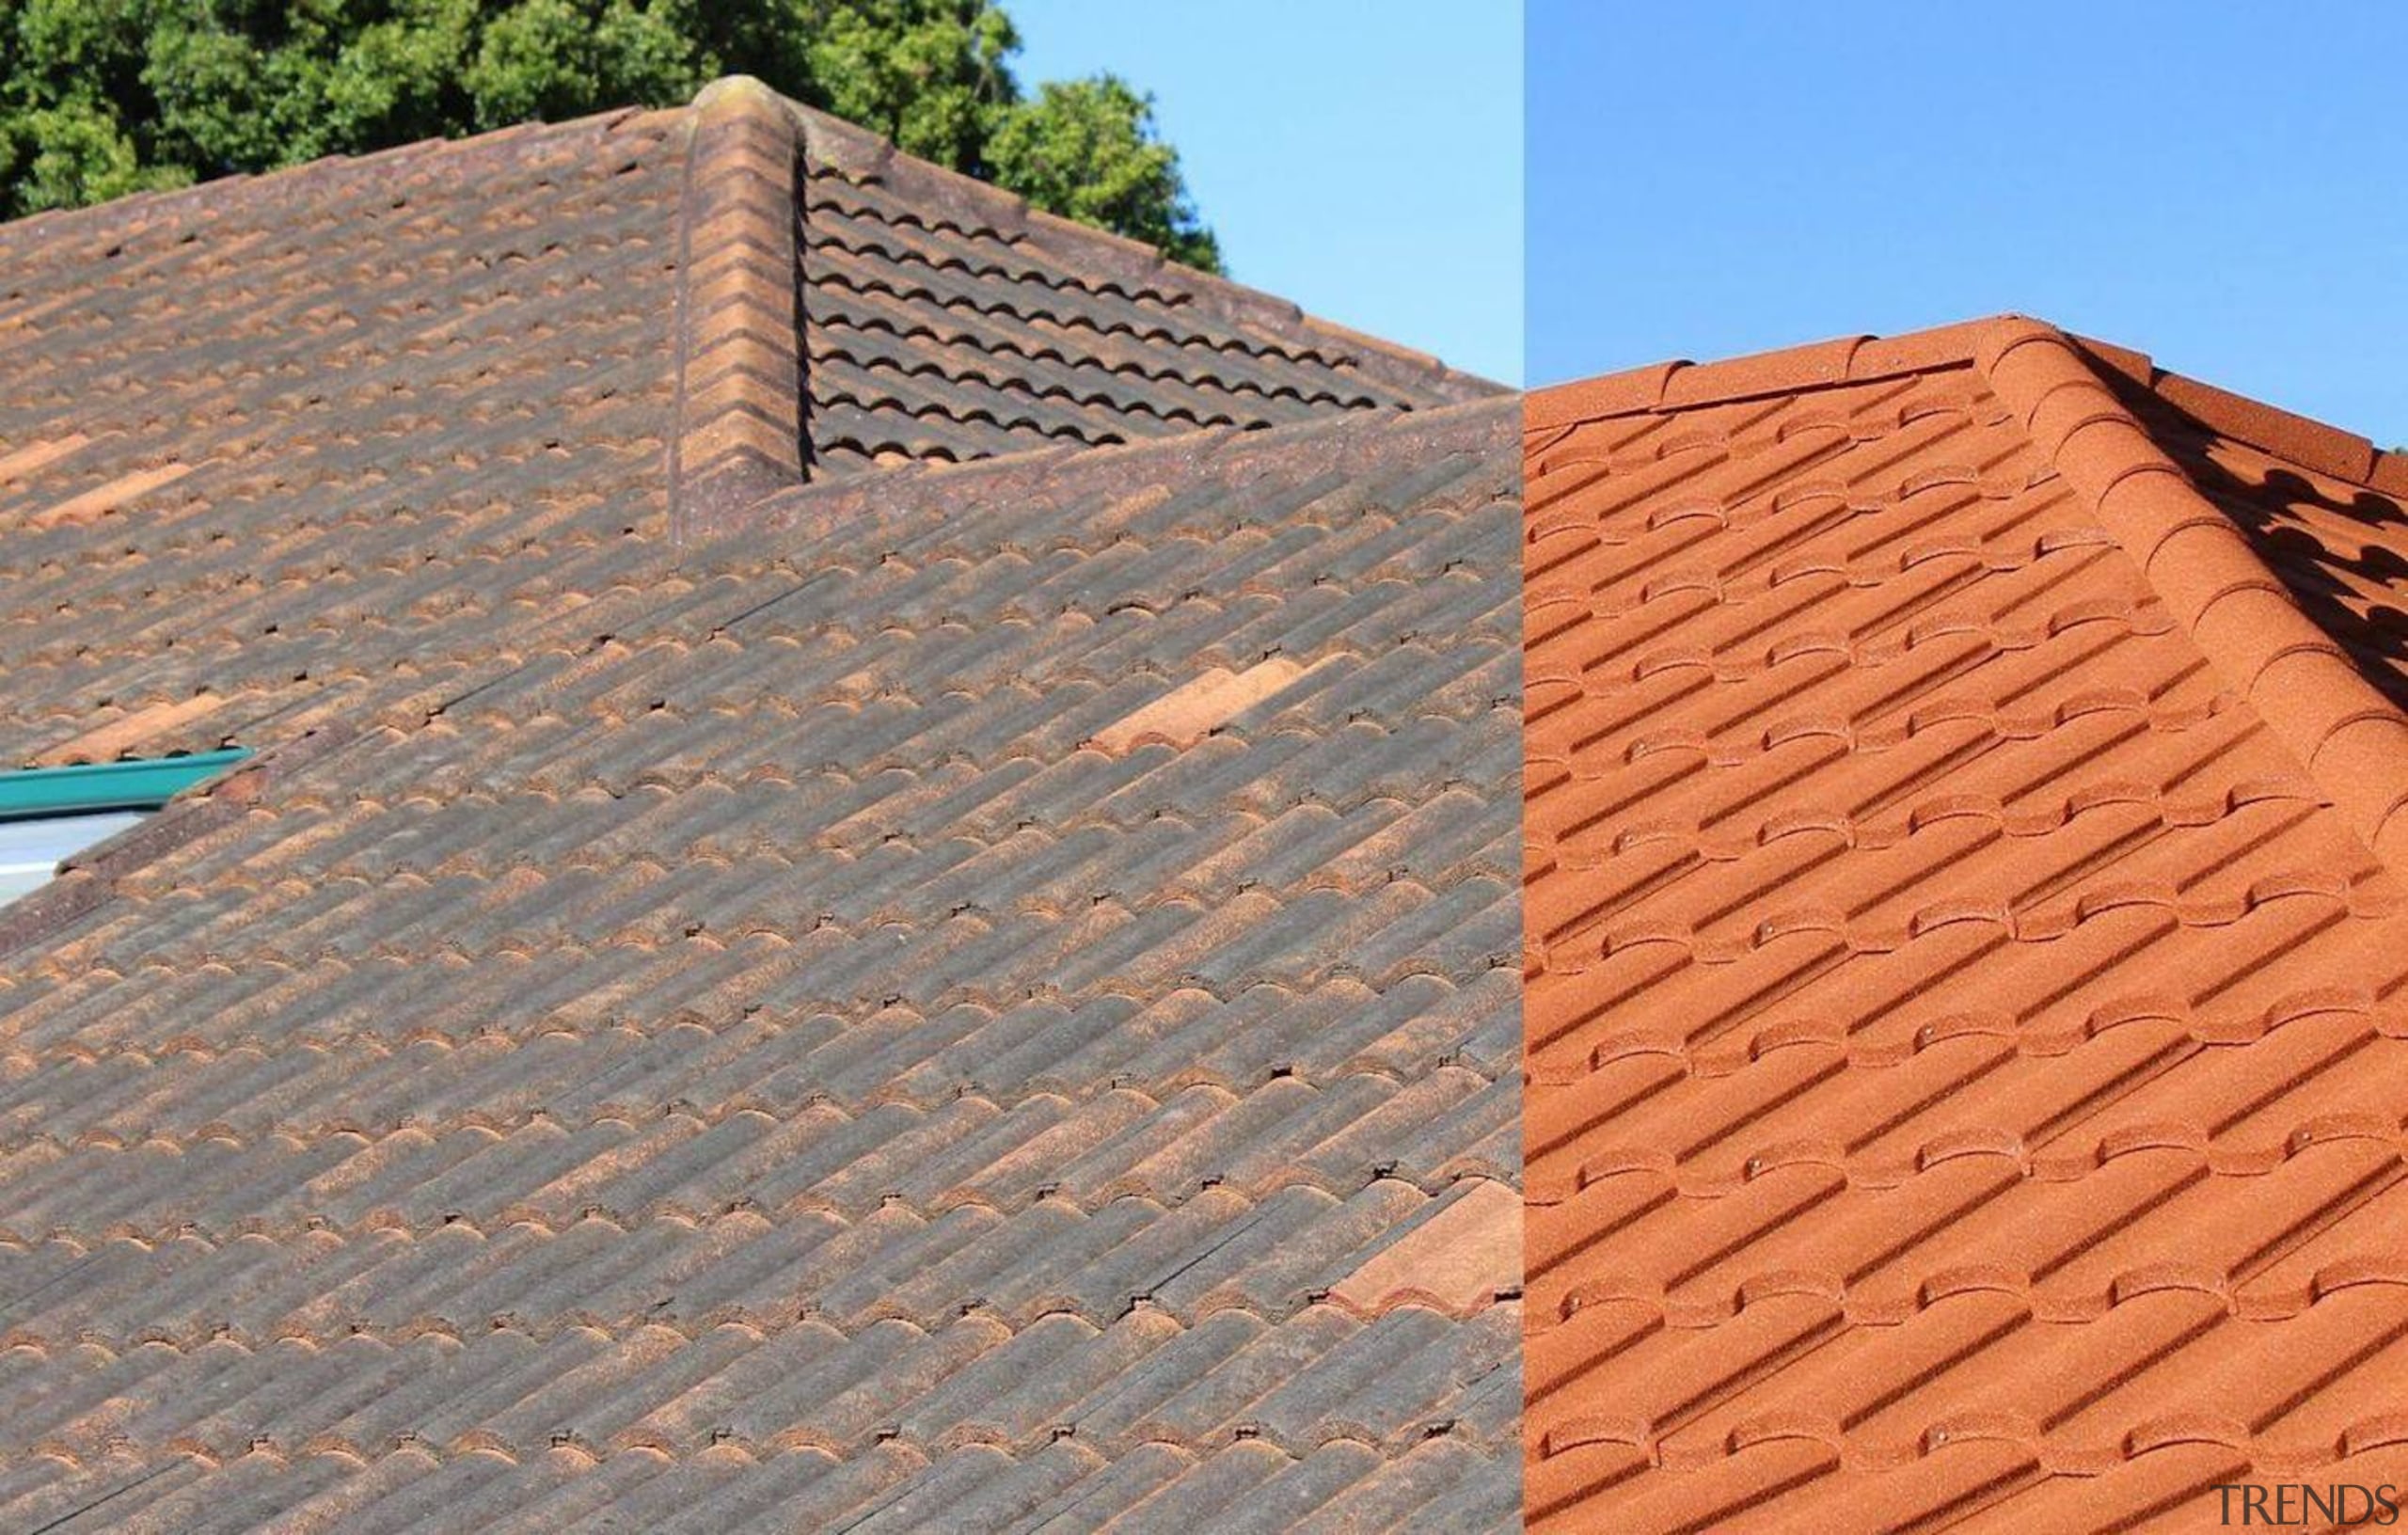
(89, 789)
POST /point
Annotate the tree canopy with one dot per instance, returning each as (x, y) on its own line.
(99, 98)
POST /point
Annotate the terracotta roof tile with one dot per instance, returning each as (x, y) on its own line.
(682, 1023)
(944, 320)
(1962, 927)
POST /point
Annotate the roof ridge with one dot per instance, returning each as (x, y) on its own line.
(2303, 439)
(862, 154)
(207, 198)
(739, 432)
(1678, 384)
(742, 395)
(2352, 740)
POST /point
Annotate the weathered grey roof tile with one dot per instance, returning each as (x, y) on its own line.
(719, 1034)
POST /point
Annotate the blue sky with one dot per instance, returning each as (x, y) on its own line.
(1361, 159)
(2219, 185)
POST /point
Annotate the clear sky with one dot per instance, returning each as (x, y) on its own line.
(1360, 157)
(2220, 185)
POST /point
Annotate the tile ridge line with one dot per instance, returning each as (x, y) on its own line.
(132, 214)
(1679, 384)
(738, 433)
(2352, 740)
(2312, 444)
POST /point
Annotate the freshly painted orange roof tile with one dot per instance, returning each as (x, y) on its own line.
(1193, 710)
(1461, 1260)
(1964, 942)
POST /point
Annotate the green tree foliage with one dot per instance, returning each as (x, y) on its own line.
(1087, 150)
(99, 98)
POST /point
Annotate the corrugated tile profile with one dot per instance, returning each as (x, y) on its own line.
(1964, 946)
(946, 319)
(953, 994)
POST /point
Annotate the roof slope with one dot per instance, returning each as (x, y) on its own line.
(394, 382)
(796, 1047)
(1965, 946)
(536, 275)
(987, 990)
(260, 440)
(944, 319)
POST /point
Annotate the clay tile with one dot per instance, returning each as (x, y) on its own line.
(1937, 478)
(2390, 839)
(1808, 489)
(1973, 1279)
(19, 463)
(1461, 1257)
(1580, 1429)
(1692, 509)
(1995, 342)
(1804, 821)
(2380, 1431)
(1190, 712)
(1991, 1143)
(2172, 1274)
(1976, 1424)
(2352, 1273)
(2343, 1125)
(2194, 1425)
(2367, 748)
(2161, 1135)
(1829, 419)
(2202, 566)
(1793, 1423)
(2093, 443)
(2309, 694)
(1797, 1034)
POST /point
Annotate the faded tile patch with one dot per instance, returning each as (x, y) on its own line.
(1187, 713)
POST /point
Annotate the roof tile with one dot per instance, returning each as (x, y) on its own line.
(1942, 843)
(698, 1034)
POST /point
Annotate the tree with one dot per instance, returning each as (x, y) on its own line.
(1087, 151)
(99, 98)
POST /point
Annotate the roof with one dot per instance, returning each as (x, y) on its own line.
(1963, 847)
(744, 987)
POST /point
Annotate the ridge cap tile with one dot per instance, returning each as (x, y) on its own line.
(741, 385)
(2240, 614)
(1682, 384)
